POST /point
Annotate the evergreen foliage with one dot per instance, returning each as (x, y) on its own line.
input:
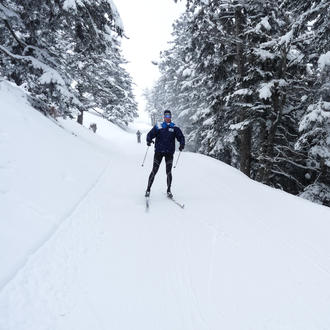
(249, 82)
(66, 54)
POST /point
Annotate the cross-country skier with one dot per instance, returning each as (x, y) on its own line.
(138, 134)
(165, 134)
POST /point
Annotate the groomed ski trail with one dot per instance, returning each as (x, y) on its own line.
(49, 285)
(231, 259)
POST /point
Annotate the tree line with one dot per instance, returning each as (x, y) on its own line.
(248, 80)
(66, 54)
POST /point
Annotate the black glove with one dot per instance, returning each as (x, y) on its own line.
(149, 143)
(181, 147)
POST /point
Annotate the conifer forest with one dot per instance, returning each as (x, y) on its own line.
(249, 81)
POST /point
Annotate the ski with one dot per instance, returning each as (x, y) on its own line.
(176, 202)
(147, 203)
(169, 197)
(147, 196)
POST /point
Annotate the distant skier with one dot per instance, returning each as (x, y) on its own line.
(165, 134)
(138, 134)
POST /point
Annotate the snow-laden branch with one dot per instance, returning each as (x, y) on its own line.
(287, 160)
(265, 91)
(6, 13)
(287, 176)
(49, 75)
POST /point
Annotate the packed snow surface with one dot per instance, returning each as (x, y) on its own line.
(79, 251)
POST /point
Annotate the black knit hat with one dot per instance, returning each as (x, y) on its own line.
(167, 112)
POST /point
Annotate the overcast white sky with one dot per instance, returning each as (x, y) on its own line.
(148, 24)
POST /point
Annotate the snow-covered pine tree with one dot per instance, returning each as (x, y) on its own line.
(247, 120)
(273, 81)
(62, 62)
(177, 88)
(312, 29)
(103, 84)
(149, 108)
(226, 36)
(29, 55)
(192, 73)
(215, 48)
(263, 83)
(118, 100)
(101, 80)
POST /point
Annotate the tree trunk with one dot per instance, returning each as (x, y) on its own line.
(245, 134)
(271, 136)
(239, 44)
(262, 151)
(245, 151)
(80, 117)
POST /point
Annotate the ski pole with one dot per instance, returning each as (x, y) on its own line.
(177, 160)
(145, 156)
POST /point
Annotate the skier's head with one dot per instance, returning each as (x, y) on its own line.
(167, 116)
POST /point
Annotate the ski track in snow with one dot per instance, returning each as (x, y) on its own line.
(54, 230)
(192, 292)
(46, 287)
(310, 258)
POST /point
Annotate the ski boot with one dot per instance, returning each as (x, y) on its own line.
(169, 194)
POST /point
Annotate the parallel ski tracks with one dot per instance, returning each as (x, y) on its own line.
(55, 229)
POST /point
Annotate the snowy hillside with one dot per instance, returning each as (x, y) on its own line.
(79, 251)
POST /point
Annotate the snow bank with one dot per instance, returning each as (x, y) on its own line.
(45, 170)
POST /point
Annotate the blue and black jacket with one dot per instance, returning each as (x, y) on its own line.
(165, 135)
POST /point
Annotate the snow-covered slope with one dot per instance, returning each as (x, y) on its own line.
(44, 173)
(79, 251)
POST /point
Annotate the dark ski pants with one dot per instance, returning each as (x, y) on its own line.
(157, 160)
